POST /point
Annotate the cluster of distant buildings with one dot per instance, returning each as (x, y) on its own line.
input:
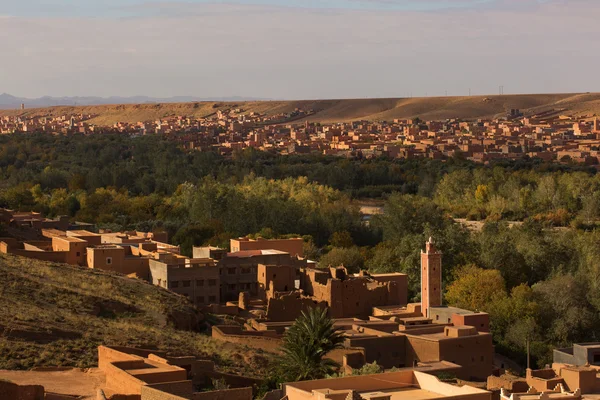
(549, 135)
(268, 284)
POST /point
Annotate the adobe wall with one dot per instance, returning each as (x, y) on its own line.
(182, 389)
(400, 295)
(275, 278)
(477, 362)
(420, 350)
(112, 354)
(151, 393)
(290, 306)
(120, 381)
(508, 382)
(543, 380)
(584, 379)
(12, 391)
(481, 321)
(53, 256)
(387, 351)
(230, 394)
(251, 339)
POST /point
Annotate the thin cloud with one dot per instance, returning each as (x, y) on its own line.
(274, 52)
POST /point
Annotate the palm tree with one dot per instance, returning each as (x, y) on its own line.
(305, 345)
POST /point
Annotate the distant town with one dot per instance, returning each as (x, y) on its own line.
(549, 135)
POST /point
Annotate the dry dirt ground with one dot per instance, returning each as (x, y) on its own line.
(427, 108)
(83, 383)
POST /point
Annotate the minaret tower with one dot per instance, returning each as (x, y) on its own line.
(431, 278)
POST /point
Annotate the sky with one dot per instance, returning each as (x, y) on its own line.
(297, 49)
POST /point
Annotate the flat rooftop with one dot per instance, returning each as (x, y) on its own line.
(455, 310)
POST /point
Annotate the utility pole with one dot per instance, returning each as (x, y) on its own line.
(528, 353)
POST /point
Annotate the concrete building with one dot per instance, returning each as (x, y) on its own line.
(295, 247)
(579, 354)
(196, 279)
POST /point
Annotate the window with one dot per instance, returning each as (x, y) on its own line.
(174, 284)
(108, 260)
(212, 282)
(212, 299)
(199, 282)
(231, 271)
(448, 320)
(437, 317)
(186, 283)
(246, 271)
(78, 254)
(200, 299)
(596, 358)
(232, 287)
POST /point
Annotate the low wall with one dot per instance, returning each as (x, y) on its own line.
(183, 389)
(12, 391)
(230, 394)
(52, 256)
(111, 354)
(120, 381)
(151, 393)
(250, 339)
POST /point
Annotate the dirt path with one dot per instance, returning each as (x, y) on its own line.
(75, 382)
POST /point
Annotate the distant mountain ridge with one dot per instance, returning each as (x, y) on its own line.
(8, 101)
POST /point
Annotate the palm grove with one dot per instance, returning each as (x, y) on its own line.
(538, 276)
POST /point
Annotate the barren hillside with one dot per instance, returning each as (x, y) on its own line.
(343, 110)
(57, 315)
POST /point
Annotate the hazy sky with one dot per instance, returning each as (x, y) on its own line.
(294, 49)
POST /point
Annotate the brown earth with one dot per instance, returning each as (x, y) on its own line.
(428, 108)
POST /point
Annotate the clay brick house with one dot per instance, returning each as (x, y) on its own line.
(239, 270)
(118, 258)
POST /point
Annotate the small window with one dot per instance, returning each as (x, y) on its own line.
(174, 284)
(448, 320)
(232, 287)
(186, 283)
(108, 260)
(78, 254)
(212, 282)
(199, 282)
(437, 317)
(231, 271)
